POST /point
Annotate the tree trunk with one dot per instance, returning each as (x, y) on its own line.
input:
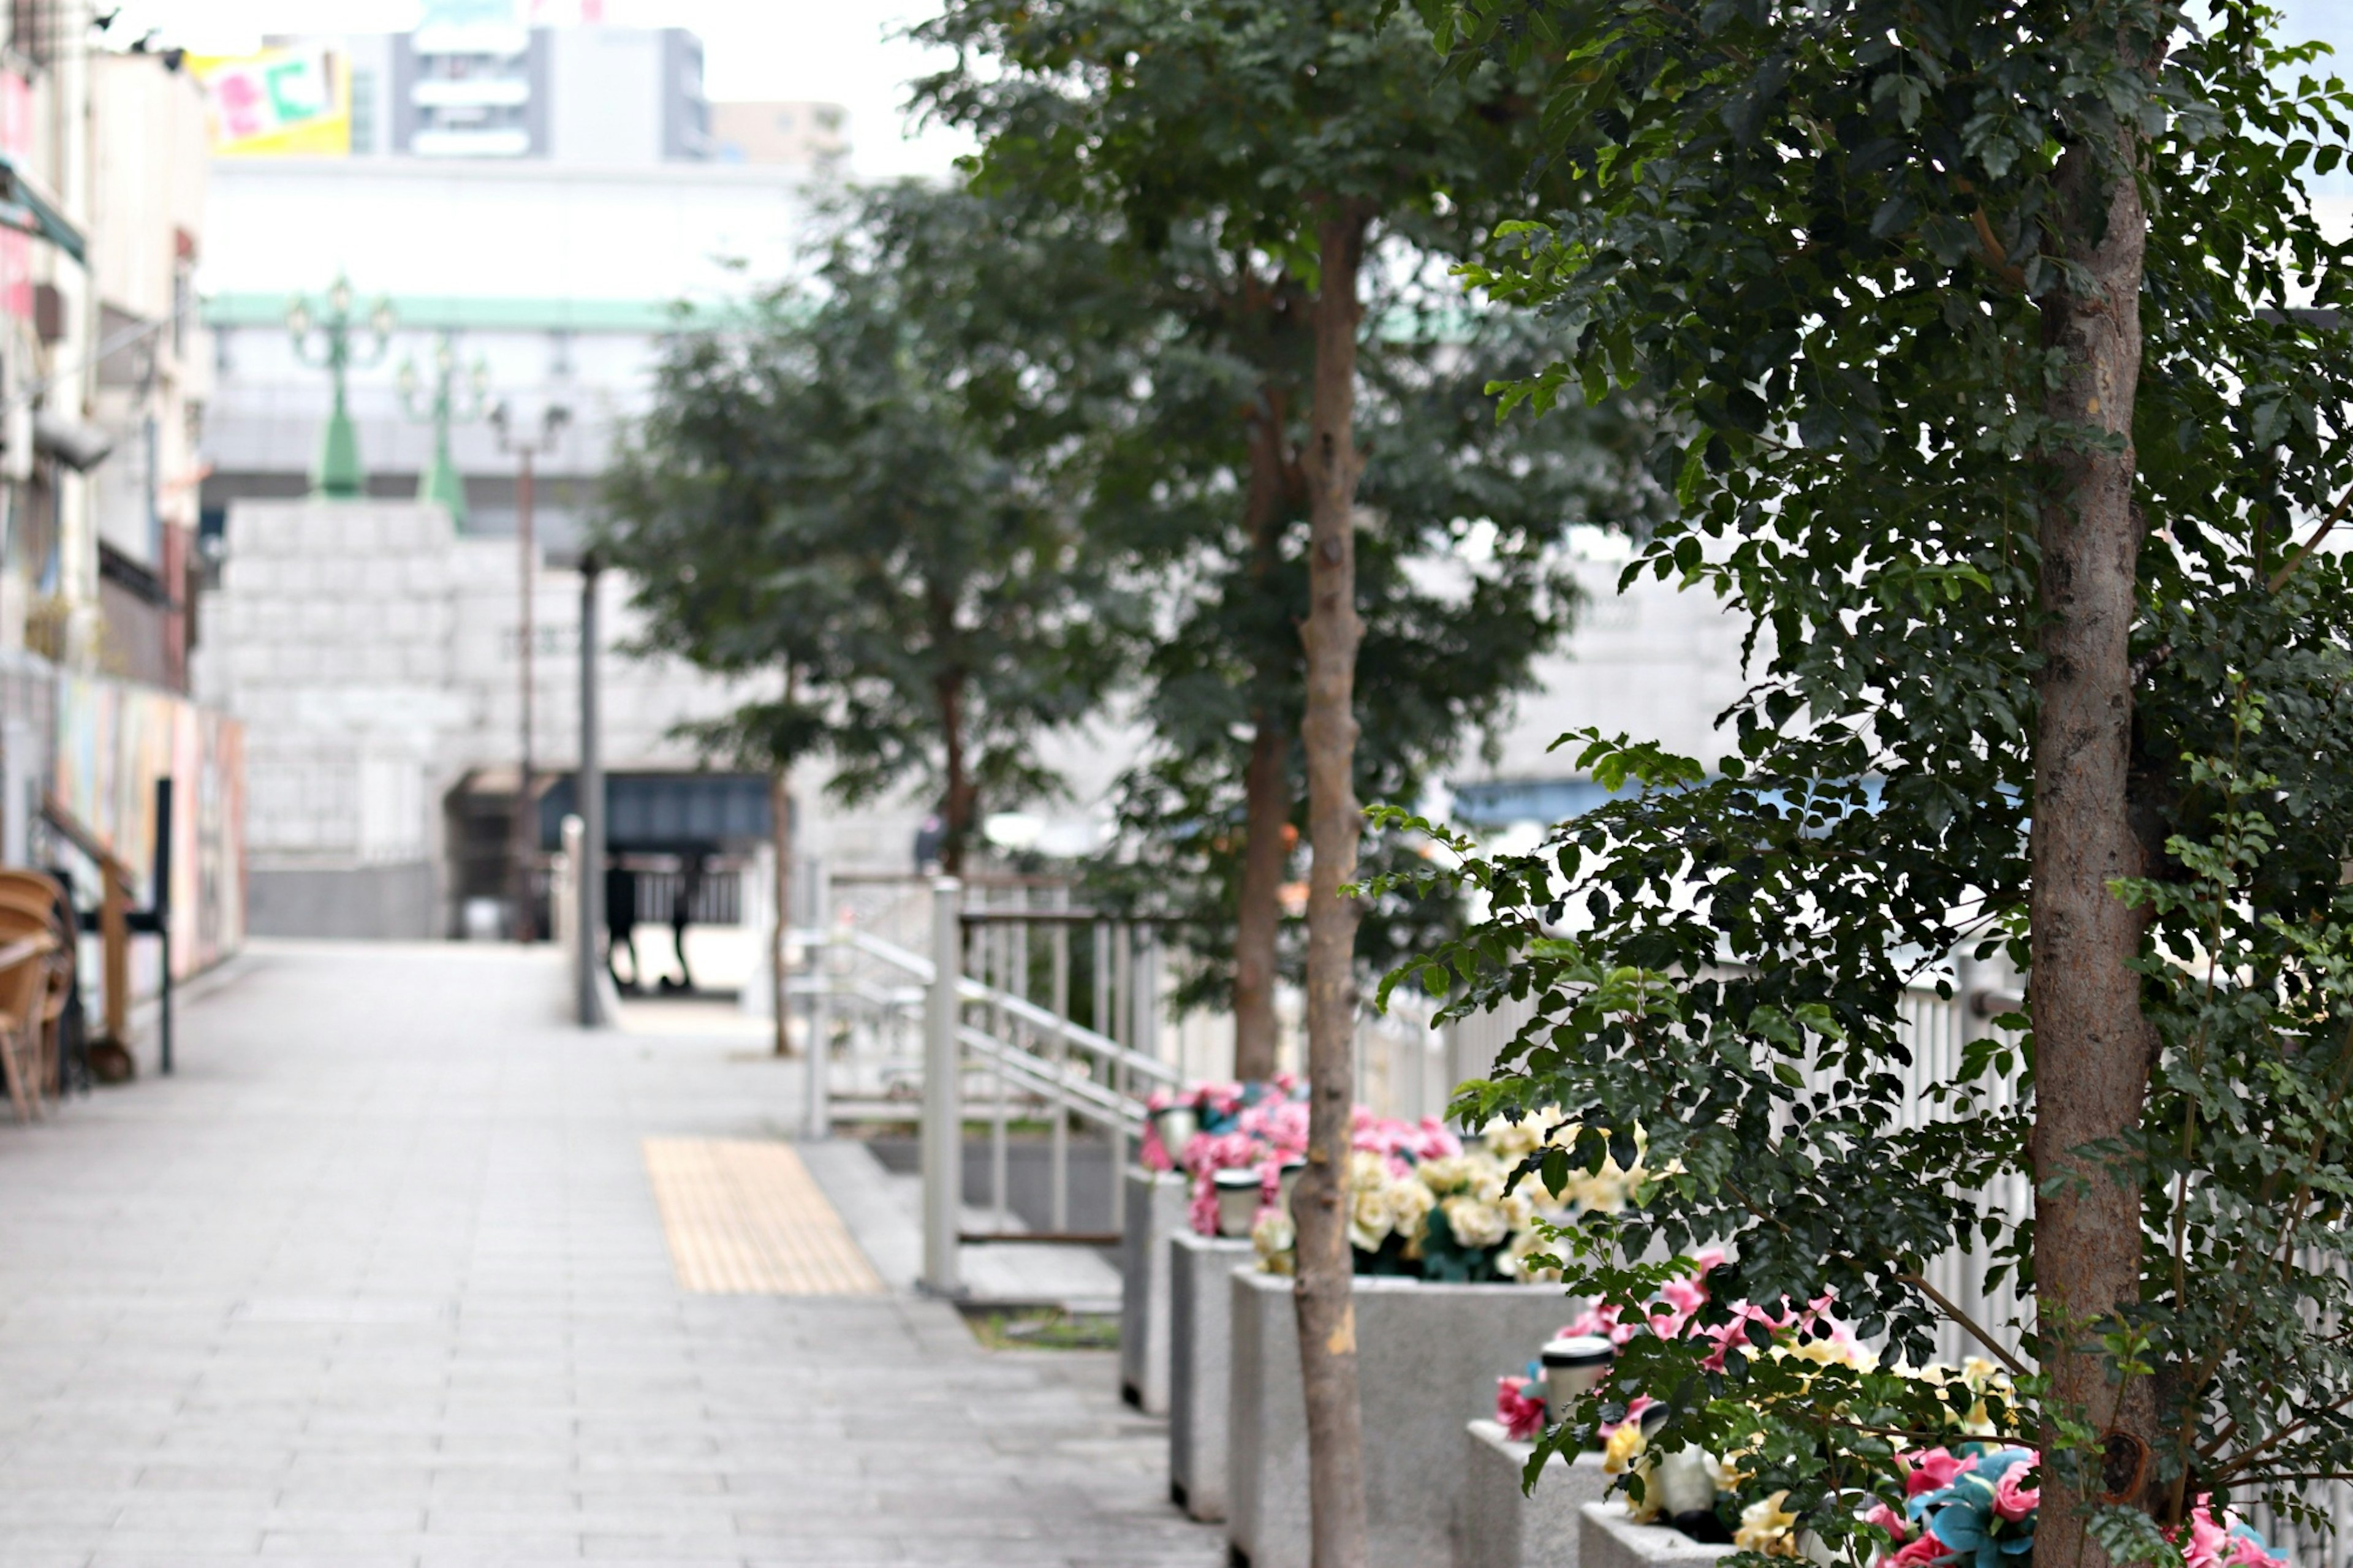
(780, 813)
(1258, 921)
(2092, 1044)
(1266, 784)
(958, 798)
(1327, 1317)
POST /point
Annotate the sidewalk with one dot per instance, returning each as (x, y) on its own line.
(379, 1278)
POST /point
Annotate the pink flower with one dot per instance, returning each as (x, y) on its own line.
(1155, 1154)
(2013, 1500)
(1935, 1471)
(1898, 1528)
(1921, 1552)
(1431, 1140)
(2246, 1552)
(1222, 1151)
(1634, 1409)
(1202, 1212)
(1522, 1416)
(2208, 1539)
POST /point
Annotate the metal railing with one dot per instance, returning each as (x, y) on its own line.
(1000, 1043)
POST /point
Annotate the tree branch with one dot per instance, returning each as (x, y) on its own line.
(1977, 1330)
(2336, 515)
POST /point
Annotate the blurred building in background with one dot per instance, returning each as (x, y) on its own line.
(104, 373)
(534, 194)
(796, 135)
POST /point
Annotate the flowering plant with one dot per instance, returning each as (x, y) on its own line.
(1265, 1132)
(1217, 1108)
(1973, 1506)
(1420, 1204)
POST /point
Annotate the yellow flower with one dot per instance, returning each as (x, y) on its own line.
(1765, 1527)
(1646, 1510)
(1625, 1446)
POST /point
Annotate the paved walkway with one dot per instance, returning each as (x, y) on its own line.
(379, 1279)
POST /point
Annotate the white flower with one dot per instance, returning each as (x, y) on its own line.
(1473, 1223)
(1513, 1141)
(1513, 1262)
(1409, 1205)
(1274, 1240)
(1371, 1217)
(1446, 1175)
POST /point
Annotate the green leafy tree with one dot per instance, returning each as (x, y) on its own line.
(876, 481)
(1297, 134)
(1462, 581)
(2008, 348)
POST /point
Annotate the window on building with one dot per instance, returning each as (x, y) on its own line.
(364, 89)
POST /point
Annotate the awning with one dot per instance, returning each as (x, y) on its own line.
(25, 207)
(657, 812)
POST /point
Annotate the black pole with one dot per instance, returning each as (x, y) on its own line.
(591, 804)
(163, 912)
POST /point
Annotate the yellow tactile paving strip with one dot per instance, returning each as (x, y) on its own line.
(745, 1217)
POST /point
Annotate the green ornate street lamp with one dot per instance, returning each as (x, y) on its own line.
(338, 473)
(450, 404)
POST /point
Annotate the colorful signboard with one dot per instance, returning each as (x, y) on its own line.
(114, 741)
(293, 102)
(16, 245)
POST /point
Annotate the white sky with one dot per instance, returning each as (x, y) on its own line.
(836, 51)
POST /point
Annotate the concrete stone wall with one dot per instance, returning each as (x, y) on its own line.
(374, 655)
(1427, 1360)
(1505, 1528)
(1607, 1539)
(1155, 1212)
(1200, 1367)
(394, 902)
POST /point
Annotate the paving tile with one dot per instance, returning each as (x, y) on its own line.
(378, 1276)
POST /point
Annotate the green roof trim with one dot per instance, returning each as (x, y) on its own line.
(454, 312)
(25, 207)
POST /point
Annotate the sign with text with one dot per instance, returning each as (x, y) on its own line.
(279, 103)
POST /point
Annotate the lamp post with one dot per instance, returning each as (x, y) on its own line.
(451, 403)
(338, 473)
(592, 805)
(552, 421)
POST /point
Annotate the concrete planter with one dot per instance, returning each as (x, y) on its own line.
(1502, 1527)
(1200, 1357)
(1154, 1211)
(1427, 1356)
(1610, 1540)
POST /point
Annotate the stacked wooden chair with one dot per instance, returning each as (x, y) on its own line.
(37, 930)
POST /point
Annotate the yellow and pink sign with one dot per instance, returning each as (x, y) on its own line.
(290, 102)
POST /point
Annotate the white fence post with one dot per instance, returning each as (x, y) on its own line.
(818, 965)
(943, 1126)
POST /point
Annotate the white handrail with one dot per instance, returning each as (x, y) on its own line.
(1040, 1018)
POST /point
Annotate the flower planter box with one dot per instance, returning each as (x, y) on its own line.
(1610, 1540)
(1426, 1358)
(1502, 1527)
(1155, 1204)
(1200, 1357)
